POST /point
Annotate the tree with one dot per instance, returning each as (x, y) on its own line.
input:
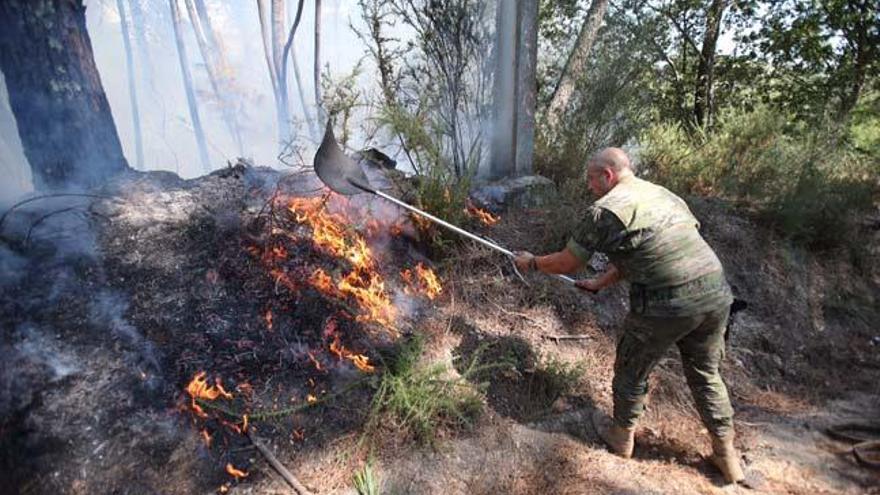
(703, 96)
(215, 65)
(822, 50)
(576, 63)
(272, 34)
(192, 103)
(56, 95)
(132, 85)
(317, 70)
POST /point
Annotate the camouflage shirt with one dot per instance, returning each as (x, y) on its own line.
(652, 238)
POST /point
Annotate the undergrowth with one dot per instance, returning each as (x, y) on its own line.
(418, 399)
(808, 182)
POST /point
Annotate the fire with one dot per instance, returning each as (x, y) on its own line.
(482, 215)
(237, 473)
(360, 361)
(207, 438)
(268, 318)
(198, 389)
(363, 282)
(424, 279)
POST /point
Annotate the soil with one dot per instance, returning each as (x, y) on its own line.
(112, 306)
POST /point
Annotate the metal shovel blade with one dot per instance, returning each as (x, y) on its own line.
(338, 171)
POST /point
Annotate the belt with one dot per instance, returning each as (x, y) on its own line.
(706, 283)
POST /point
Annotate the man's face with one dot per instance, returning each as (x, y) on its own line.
(599, 180)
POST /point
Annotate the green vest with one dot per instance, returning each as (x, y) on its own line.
(652, 237)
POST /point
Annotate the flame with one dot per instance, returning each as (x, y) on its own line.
(331, 234)
(424, 280)
(244, 424)
(311, 399)
(482, 215)
(268, 318)
(207, 438)
(198, 389)
(360, 361)
(237, 473)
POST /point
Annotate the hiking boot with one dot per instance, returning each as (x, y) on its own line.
(726, 458)
(620, 440)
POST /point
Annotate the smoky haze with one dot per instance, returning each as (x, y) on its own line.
(167, 132)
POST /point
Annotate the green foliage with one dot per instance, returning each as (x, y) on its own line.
(365, 482)
(341, 98)
(806, 181)
(561, 378)
(418, 398)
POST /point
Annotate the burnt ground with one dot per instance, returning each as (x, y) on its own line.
(110, 309)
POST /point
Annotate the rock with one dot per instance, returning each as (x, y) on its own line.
(529, 191)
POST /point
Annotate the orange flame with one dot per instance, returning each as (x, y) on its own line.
(198, 389)
(363, 283)
(237, 473)
(482, 215)
(207, 438)
(424, 281)
(268, 318)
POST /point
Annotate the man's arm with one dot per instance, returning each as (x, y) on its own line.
(608, 277)
(560, 262)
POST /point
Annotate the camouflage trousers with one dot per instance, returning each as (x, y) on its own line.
(700, 341)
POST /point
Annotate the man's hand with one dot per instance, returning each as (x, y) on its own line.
(590, 285)
(524, 261)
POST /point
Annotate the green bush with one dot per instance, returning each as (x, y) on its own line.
(807, 181)
(419, 398)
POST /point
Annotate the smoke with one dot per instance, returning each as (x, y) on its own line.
(58, 305)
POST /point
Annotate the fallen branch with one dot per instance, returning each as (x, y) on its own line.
(276, 464)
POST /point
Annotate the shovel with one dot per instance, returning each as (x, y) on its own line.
(342, 175)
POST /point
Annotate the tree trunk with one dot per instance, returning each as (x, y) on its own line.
(137, 27)
(55, 93)
(278, 37)
(132, 86)
(188, 87)
(526, 85)
(502, 156)
(214, 66)
(288, 52)
(577, 61)
(318, 103)
(704, 94)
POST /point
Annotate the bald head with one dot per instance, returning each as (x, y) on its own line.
(606, 169)
(611, 158)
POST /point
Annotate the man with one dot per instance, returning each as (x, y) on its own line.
(678, 295)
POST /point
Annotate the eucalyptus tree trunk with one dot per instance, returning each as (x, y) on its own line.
(271, 32)
(55, 93)
(215, 67)
(289, 52)
(132, 86)
(576, 63)
(318, 100)
(704, 95)
(188, 87)
(140, 38)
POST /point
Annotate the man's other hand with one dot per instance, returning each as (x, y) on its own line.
(589, 285)
(524, 261)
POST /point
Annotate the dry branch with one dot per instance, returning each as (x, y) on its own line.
(276, 464)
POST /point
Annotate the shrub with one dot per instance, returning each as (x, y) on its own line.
(806, 181)
(419, 398)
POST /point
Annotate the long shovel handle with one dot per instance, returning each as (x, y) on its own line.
(453, 228)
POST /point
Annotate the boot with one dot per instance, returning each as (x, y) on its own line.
(726, 458)
(620, 440)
